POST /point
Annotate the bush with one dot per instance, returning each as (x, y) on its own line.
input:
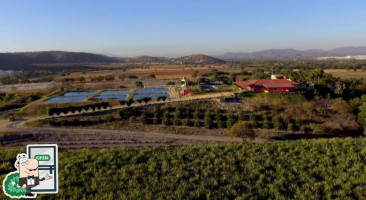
(176, 117)
(132, 119)
(143, 118)
(241, 116)
(278, 122)
(165, 120)
(290, 126)
(317, 128)
(208, 120)
(243, 130)
(230, 120)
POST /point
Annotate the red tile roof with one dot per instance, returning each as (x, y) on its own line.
(268, 83)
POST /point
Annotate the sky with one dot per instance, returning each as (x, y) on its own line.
(179, 27)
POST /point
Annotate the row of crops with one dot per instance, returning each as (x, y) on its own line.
(307, 169)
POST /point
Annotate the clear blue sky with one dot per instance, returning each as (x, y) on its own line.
(173, 28)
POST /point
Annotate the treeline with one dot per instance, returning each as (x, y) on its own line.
(281, 64)
(58, 110)
(26, 77)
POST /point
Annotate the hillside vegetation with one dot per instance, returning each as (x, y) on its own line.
(307, 169)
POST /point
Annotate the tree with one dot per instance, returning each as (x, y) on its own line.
(243, 130)
(122, 77)
(139, 84)
(232, 77)
(176, 117)
(361, 117)
(109, 78)
(143, 118)
(81, 79)
(165, 120)
(215, 76)
(196, 117)
(277, 122)
(230, 119)
(219, 119)
(156, 114)
(258, 74)
(146, 99)
(265, 121)
(241, 116)
(194, 74)
(207, 119)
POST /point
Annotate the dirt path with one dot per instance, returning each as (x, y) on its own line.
(97, 138)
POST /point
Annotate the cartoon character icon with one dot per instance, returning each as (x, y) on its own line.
(19, 184)
(28, 173)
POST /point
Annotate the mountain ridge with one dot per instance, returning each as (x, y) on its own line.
(293, 53)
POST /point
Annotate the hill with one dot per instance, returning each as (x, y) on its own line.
(145, 59)
(197, 59)
(22, 60)
(293, 53)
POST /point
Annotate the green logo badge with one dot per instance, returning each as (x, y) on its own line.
(42, 157)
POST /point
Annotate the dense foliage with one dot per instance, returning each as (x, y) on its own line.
(58, 110)
(308, 169)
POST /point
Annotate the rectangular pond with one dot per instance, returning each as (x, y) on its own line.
(110, 97)
(115, 92)
(153, 96)
(79, 93)
(66, 99)
(152, 90)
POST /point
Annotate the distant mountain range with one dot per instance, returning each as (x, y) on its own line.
(47, 60)
(292, 53)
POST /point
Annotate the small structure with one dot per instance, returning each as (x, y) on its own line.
(186, 91)
(184, 82)
(269, 85)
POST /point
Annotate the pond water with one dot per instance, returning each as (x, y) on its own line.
(79, 93)
(110, 97)
(151, 90)
(153, 96)
(66, 99)
(115, 92)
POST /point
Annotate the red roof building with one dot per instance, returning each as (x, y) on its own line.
(269, 85)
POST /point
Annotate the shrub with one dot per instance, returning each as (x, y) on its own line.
(176, 117)
(156, 114)
(143, 118)
(219, 119)
(317, 128)
(241, 116)
(207, 119)
(277, 122)
(230, 120)
(165, 120)
(266, 123)
(290, 126)
(243, 130)
(132, 119)
(185, 122)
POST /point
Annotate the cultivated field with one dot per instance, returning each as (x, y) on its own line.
(343, 73)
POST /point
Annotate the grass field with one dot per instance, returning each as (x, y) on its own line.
(308, 169)
(342, 73)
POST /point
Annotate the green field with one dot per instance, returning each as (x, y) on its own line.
(308, 169)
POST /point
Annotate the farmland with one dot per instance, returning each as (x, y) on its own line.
(313, 169)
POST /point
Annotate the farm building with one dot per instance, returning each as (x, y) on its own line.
(269, 85)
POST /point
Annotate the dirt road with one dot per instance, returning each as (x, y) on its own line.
(96, 138)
